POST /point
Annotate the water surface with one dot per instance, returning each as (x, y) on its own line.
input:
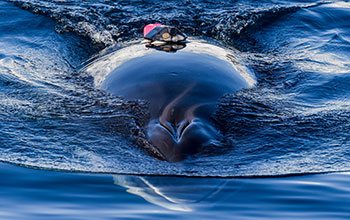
(294, 121)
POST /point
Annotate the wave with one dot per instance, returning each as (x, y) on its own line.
(108, 22)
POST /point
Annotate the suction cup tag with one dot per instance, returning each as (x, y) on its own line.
(159, 32)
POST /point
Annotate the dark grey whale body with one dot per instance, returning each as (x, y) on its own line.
(182, 90)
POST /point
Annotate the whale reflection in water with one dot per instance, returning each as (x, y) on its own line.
(175, 193)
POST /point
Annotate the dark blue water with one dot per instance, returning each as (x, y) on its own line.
(40, 194)
(294, 122)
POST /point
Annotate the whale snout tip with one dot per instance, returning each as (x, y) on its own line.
(176, 142)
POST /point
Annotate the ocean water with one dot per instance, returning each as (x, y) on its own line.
(68, 149)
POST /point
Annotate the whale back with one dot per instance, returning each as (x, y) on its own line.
(181, 88)
(183, 80)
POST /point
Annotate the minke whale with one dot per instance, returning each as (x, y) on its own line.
(182, 89)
